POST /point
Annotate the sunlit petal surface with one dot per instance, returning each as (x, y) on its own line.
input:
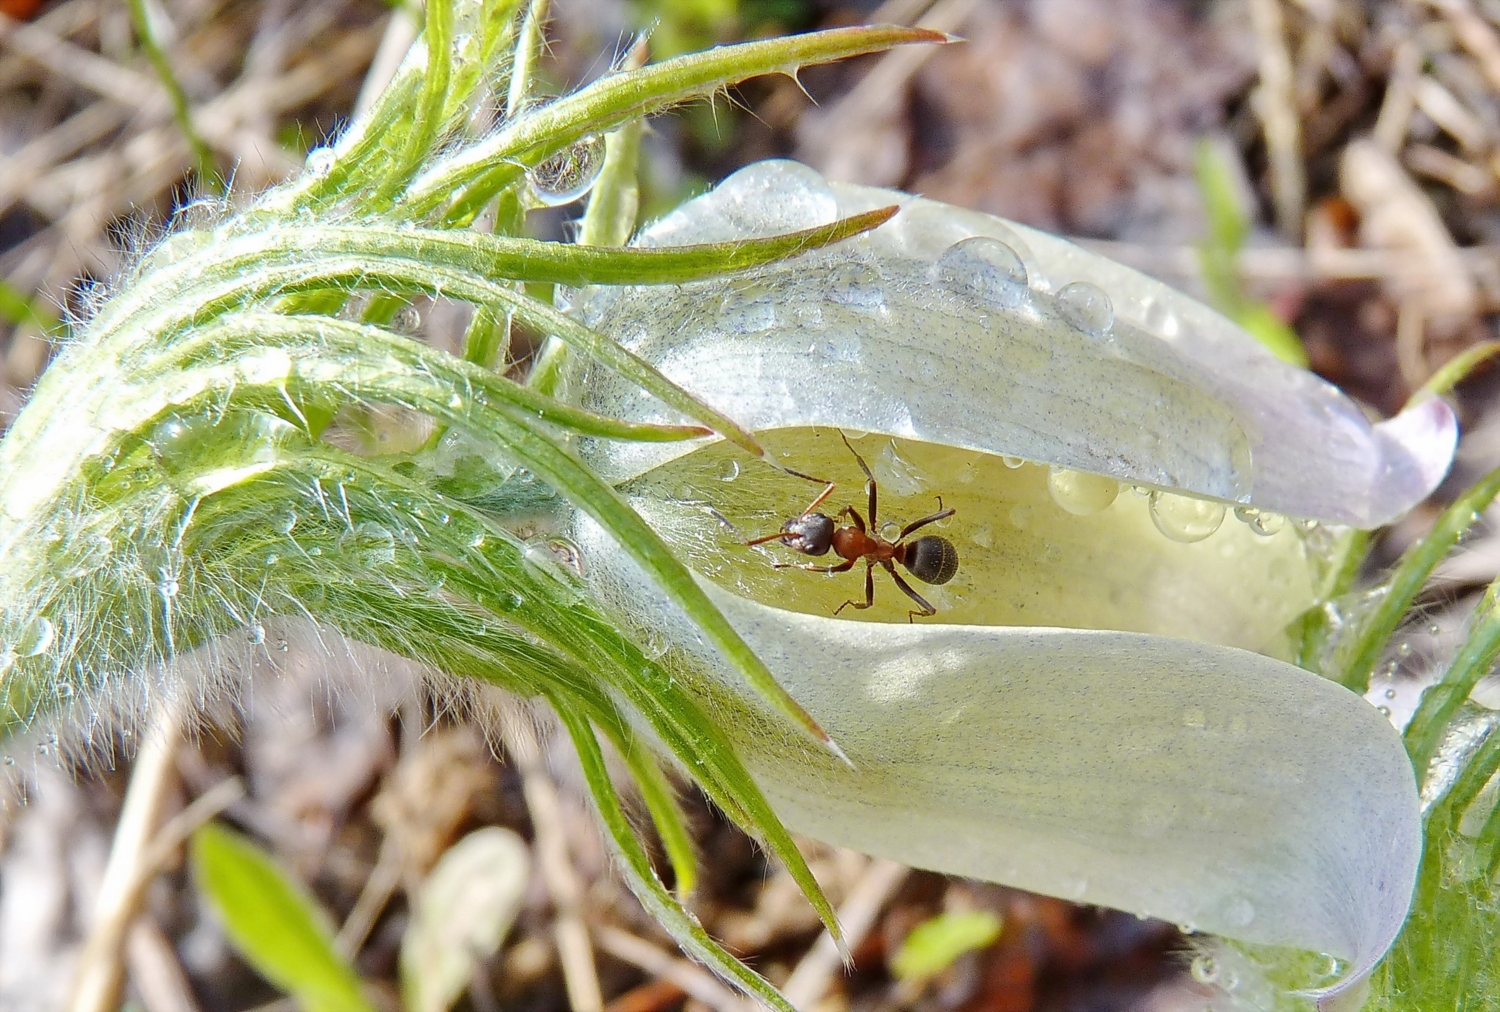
(1142, 497)
(960, 328)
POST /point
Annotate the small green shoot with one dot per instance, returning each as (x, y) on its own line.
(1218, 257)
(937, 942)
(273, 923)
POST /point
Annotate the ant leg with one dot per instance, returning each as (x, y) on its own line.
(853, 514)
(862, 466)
(828, 487)
(915, 524)
(927, 609)
(869, 591)
(842, 567)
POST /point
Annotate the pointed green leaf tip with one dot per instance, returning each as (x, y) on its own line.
(273, 923)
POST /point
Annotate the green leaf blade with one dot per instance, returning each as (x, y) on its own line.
(273, 923)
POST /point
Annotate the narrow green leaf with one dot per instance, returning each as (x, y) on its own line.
(1410, 576)
(477, 174)
(633, 862)
(273, 923)
(934, 944)
(1456, 370)
(1442, 700)
(145, 33)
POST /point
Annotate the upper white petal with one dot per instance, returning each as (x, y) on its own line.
(869, 336)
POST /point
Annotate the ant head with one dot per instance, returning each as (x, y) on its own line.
(810, 533)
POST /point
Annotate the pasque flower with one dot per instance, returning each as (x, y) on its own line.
(1144, 500)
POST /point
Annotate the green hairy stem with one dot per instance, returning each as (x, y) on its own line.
(183, 471)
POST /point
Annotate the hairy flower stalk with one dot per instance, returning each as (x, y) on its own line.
(182, 472)
(1102, 708)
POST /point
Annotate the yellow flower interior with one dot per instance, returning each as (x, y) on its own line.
(1032, 552)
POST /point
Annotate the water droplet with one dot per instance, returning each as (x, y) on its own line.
(1384, 711)
(166, 584)
(985, 269)
(1012, 462)
(890, 530)
(372, 543)
(748, 307)
(1080, 493)
(1162, 321)
(1205, 969)
(64, 690)
(1260, 522)
(37, 637)
(320, 162)
(1085, 306)
(857, 285)
(272, 559)
(256, 634)
(286, 522)
(1021, 515)
(172, 440)
(1185, 519)
(1433, 629)
(1240, 912)
(1390, 693)
(10, 760)
(510, 601)
(729, 470)
(1403, 649)
(408, 320)
(568, 174)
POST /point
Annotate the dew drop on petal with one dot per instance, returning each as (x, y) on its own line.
(37, 637)
(563, 177)
(256, 634)
(1085, 306)
(856, 285)
(729, 470)
(1012, 462)
(1205, 969)
(408, 320)
(1259, 521)
(1185, 519)
(1081, 493)
(985, 269)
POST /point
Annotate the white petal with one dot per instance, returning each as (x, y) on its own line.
(1199, 784)
(876, 336)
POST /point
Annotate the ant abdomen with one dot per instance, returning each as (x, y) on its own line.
(931, 559)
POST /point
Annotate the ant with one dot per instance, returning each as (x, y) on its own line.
(930, 558)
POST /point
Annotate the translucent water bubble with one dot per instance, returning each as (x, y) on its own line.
(856, 285)
(37, 637)
(984, 269)
(1185, 519)
(408, 320)
(1240, 912)
(1080, 493)
(729, 470)
(286, 522)
(319, 162)
(256, 634)
(1205, 969)
(569, 174)
(168, 586)
(172, 439)
(748, 307)
(1085, 306)
(1259, 521)
(1012, 462)
(374, 544)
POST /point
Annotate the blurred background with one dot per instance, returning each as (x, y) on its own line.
(1327, 172)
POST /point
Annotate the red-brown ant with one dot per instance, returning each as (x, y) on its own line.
(930, 559)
